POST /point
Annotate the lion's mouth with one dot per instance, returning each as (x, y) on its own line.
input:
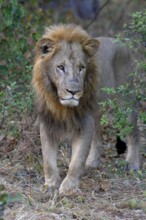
(72, 102)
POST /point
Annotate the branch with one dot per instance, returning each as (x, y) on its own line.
(101, 8)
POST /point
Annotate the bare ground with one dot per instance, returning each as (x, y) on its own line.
(107, 193)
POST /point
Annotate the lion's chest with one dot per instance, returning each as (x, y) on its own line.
(61, 130)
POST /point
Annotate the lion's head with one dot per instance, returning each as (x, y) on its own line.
(64, 70)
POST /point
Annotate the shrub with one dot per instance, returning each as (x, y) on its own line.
(19, 30)
(135, 38)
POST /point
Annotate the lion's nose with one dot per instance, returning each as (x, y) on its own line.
(73, 92)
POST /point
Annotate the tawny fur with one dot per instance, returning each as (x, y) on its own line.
(69, 33)
(71, 47)
(46, 101)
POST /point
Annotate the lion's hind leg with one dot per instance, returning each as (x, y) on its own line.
(93, 159)
(133, 153)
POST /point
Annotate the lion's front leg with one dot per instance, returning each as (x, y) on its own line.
(80, 150)
(49, 152)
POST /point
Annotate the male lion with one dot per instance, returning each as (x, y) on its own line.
(70, 68)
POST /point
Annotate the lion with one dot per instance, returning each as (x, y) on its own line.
(70, 68)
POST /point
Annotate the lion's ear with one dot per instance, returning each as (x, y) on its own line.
(44, 46)
(91, 46)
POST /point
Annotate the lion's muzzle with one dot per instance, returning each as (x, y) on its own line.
(71, 98)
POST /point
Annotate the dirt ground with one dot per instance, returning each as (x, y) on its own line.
(107, 193)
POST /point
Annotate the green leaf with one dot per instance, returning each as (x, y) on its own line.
(3, 198)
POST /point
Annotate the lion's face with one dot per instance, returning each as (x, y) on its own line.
(63, 65)
(66, 70)
(68, 66)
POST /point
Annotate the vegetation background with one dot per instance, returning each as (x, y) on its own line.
(108, 193)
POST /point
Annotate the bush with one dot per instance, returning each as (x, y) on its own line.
(19, 30)
(135, 38)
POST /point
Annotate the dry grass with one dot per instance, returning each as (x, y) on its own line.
(107, 193)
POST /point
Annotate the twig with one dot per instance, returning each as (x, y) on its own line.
(31, 141)
(101, 8)
(29, 176)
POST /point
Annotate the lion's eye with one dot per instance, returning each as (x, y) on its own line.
(81, 68)
(61, 67)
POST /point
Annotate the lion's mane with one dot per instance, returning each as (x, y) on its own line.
(49, 108)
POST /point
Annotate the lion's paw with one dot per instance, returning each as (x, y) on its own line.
(70, 192)
(92, 163)
(50, 191)
(46, 193)
(132, 166)
(69, 186)
(133, 163)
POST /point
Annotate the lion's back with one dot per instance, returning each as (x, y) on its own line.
(114, 62)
